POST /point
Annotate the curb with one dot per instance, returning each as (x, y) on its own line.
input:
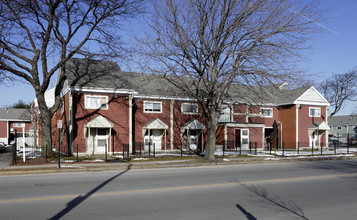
(46, 169)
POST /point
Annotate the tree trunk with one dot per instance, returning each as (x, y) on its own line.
(212, 125)
(45, 116)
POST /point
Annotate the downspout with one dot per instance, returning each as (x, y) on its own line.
(130, 122)
(71, 121)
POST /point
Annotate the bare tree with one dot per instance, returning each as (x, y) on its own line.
(205, 47)
(339, 89)
(37, 38)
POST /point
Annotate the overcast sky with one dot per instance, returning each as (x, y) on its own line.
(334, 51)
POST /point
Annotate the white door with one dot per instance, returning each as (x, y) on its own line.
(154, 138)
(193, 139)
(244, 139)
(101, 141)
(313, 140)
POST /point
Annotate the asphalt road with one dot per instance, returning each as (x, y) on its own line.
(5, 157)
(286, 190)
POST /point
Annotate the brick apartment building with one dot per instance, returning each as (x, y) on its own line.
(103, 108)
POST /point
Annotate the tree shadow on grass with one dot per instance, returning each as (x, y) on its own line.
(75, 202)
(287, 206)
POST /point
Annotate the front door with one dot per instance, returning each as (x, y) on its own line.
(154, 139)
(313, 140)
(101, 141)
(244, 139)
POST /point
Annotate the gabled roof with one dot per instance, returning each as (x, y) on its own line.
(106, 77)
(99, 122)
(343, 120)
(15, 114)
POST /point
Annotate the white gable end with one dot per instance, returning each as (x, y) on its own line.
(312, 97)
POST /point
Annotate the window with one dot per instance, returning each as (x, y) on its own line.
(189, 108)
(266, 112)
(225, 115)
(314, 112)
(96, 102)
(19, 125)
(152, 107)
(62, 106)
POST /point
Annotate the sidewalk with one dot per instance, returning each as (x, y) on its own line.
(139, 163)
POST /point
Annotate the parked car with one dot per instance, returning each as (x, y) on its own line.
(334, 142)
(2, 146)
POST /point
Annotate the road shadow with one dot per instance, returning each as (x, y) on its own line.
(287, 206)
(342, 165)
(75, 202)
(246, 213)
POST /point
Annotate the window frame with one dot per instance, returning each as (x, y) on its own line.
(96, 96)
(266, 116)
(19, 125)
(189, 113)
(226, 114)
(315, 116)
(156, 102)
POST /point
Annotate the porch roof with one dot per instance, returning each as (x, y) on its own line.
(99, 122)
(320, 126)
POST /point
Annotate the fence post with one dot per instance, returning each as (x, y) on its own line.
(334, 146)
(154, 148)
(321, 148)
(46, 153)
(269, 147)
(13, 154)
(312, 147)
(181, 148)
(255, 148)
(283, 148)
(106, 151)
(240, 149)
(77, 154)
(223, 147)
(140, 148)
(348, 147)
(149, 147)
(298, 147)
(250, 147)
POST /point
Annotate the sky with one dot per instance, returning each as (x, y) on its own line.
(333, 51)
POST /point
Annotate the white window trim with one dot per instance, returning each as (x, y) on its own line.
(269, 116)
(100, 96)
(189, 113)
(19, 124)
(315, 116)
(153, 103)
(229, 114)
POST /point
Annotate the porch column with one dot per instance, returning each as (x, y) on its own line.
(225, 136)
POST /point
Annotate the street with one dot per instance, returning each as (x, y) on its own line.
(284, 190)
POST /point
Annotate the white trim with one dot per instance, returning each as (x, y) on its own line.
(314, 116)
(164, 98)
(100, 96)
(243, 125)
(103, 90)
(152, 103)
